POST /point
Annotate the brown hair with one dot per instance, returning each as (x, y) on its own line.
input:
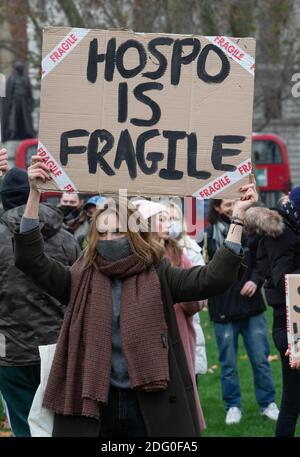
(213, 215)
(173, 251)
(142, 243)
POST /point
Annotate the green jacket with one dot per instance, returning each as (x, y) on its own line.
(171, 412)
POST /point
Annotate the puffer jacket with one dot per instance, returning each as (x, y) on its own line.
(29, 317)
(278, 252)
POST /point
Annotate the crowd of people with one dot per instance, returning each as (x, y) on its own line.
(123, 307)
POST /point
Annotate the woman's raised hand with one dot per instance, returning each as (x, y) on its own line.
(38, 170)
(249, 198)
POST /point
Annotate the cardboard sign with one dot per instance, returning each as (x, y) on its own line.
(155, 114)
(292, 290)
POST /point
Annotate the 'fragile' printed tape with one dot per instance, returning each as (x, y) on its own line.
(232, 50)
(64, 47)
(60, 178)
(70, 41)
(224, 181)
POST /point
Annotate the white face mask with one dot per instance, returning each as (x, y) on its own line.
(175, 230)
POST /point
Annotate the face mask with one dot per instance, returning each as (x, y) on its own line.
(67, 209)
(225, 218)
(175, 230)
(114, 249)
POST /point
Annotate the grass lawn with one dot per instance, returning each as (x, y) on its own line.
(4, 429)
(252, 423)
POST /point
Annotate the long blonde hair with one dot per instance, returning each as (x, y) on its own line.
(142, 243)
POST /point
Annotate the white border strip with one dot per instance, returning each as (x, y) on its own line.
(288, 317)
(64, 47)
(60, 178)
(232, 50)
(224, 181)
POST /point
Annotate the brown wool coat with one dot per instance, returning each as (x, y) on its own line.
(169, 413)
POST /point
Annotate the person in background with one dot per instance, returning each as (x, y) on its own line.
(278, 255)
(75, 219)
(91, 205)
(89, 209)
(159, 222)
(29, 317)
(240, 310)
(192, 251)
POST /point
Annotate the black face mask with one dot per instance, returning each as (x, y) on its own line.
(225, 218)
(114, 249)
(66, 209)
(71, 214)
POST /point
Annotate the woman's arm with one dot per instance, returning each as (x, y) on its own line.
(224, 269)
(47, 273)
(199, 283)
(248, 198)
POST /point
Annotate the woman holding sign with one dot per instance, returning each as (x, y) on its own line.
(122, 289)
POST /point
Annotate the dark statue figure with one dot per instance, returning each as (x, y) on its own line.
(17, 107)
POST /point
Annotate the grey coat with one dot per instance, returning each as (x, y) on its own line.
(30, 317)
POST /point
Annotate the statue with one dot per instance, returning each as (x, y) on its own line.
(17, 107)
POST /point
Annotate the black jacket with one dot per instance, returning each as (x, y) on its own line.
(29, 317)
(278, 252)
(232, 306)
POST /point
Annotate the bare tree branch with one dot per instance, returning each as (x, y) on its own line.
(72, 14)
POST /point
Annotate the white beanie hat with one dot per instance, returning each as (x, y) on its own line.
(148, 208)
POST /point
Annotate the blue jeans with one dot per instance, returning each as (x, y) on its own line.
(122, 416)
(254, 332)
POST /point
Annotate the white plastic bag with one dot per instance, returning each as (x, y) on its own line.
(200, 353)
(40, 419)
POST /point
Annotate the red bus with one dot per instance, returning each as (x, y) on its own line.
(271, 167)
